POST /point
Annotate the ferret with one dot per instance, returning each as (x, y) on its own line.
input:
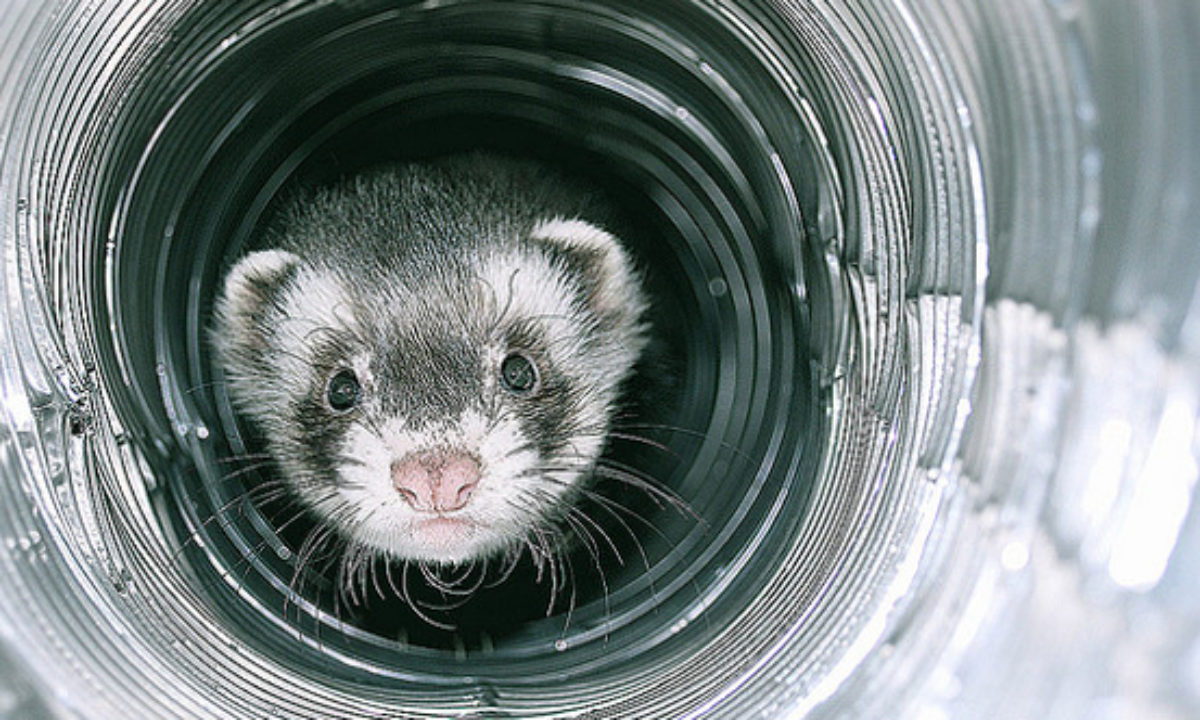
(433, 352)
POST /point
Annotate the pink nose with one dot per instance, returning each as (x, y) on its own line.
(436, 481)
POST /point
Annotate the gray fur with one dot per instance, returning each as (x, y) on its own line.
(420, 278)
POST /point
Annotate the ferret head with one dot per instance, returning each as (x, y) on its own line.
(439, 410)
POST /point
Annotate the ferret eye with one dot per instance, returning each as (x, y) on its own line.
(518, 374)
(343, 391)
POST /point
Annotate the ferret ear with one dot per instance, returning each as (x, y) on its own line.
(249, 287)
(597, 261)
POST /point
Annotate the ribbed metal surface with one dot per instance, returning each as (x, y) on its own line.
(931, 268)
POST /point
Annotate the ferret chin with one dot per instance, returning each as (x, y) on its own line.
(433, 353)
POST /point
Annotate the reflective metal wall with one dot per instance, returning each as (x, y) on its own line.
(930, 270)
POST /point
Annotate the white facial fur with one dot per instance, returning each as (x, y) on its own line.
(268, 341)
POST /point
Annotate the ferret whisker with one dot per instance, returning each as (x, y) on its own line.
(363, 574)
(554, 567)
(244, 564)
(434, 579)
(636, 478)
(481, 575)
(591, 545)
(528, 544)
(561, 570)
(614, 509)
(207, 385)
(244, 458)
(626, 475)
(509, 565)
(353, 567)
(391, 581)
(417, 607)
(545, 562)
(242, 472)
(679, 430)
(221, 513)
(258, 494)
(650, 487)
(594, 552)
(364, 577)
(351, 576)
(376, 557)
(572, 597)
(432, 582)
(267, 488)
(312, 542)
(642, 440)
(345, 591)
(452, 587)
(583, 517)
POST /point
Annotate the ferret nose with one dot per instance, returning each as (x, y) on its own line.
(436, 481)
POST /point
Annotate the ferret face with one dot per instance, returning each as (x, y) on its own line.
(442, 416)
